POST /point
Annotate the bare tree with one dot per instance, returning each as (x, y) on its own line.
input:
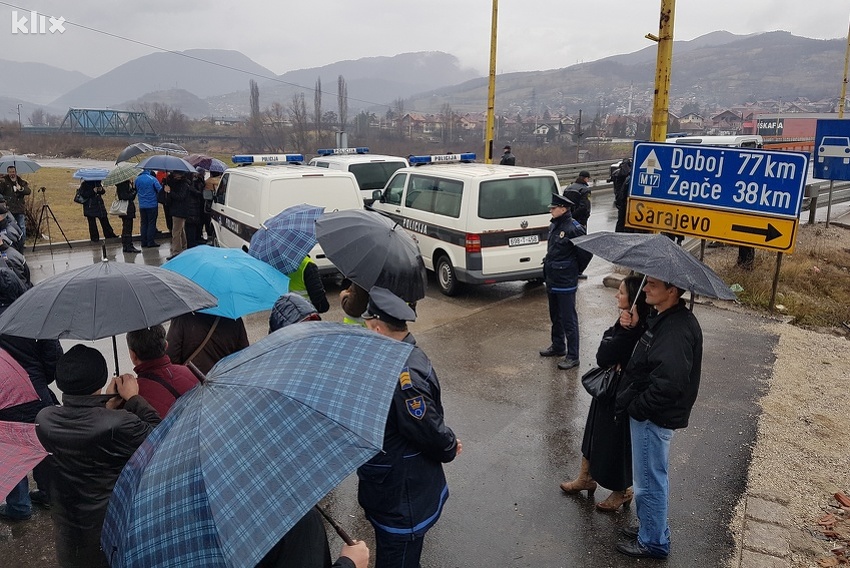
(342, 101)
(275, 133)
(298, 118)
(37, 117)
(447, 117)
(255, 122)
(398, 114)
(317, 110)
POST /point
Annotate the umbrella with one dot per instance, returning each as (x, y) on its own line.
(15, 384)
(21, 452)
(101, 300)
(242, 284)
(22, 164)
(122, 173)
(171, 148)
(133, 150)
(240, 458)
(166, 163)
(91, 174)
(373, 250)
(284, 240)
(207, 162)
(659, 257)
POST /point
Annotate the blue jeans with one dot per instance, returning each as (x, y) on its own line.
(21, 220)
(562, 313)
(650, 458)
(147, 222)
(18, 502)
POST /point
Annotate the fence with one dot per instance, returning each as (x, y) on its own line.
(599, 171)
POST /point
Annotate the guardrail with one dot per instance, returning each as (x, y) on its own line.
(599, 171)
(840, 194)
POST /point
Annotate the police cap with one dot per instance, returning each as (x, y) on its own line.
(560, 201)
(387, 307)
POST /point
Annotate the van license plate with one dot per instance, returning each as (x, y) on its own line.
(526, 240)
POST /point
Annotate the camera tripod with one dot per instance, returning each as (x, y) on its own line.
(43, 218)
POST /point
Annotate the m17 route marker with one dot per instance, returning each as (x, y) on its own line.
(736, 195)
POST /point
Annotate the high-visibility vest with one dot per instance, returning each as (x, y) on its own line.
(296, 279)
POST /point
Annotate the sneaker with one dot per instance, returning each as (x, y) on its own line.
(40, 498)
(567, 364)
(6, 516)
(552, 352)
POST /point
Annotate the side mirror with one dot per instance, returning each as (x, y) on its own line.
(378, 195)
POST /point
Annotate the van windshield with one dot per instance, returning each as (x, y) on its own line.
(374, 175)
(515, 197)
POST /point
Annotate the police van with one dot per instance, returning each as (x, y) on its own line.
(247, 196)
(475, 223)
(371, 170)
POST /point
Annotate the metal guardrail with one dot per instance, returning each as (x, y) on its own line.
(814, 191)
(599, 171)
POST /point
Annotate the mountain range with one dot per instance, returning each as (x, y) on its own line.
(717, 69)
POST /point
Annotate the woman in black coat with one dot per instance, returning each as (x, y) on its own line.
(94, 209)
(606, 446)
(127, 192)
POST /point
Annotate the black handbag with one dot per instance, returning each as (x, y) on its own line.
(78, 198)
(601, 383)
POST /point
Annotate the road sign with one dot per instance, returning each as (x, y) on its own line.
(832, 149)
(738, 195)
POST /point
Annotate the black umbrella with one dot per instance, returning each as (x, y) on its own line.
(171, 148)
(658, 257)
(133, 150)
(372, 250)
(102, 300)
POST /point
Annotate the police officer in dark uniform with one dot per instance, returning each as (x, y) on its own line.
(561, 266)
(402, 489)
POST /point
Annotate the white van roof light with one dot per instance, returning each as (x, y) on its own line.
(442, 158)
(243, 159)
(341, 151)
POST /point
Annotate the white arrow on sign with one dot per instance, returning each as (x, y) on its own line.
(650, 164)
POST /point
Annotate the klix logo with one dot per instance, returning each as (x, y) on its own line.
(36, 23)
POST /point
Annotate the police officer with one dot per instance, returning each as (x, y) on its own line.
(402, 489)
(561, 267)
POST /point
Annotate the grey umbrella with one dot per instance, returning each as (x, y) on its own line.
(102, 300)
(23, 164)
(372, 250)
(658, 257)
(133, 150)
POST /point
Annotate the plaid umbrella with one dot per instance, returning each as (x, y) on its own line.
(207, 162)
(21, 452)
(122, 172)
(284, 240)
(240, 458)
(15, 384)
(171, 148)
(91, 174)
(242, 284)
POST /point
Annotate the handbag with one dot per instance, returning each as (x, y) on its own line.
(601, 383)
(78, 198)
(119, 207)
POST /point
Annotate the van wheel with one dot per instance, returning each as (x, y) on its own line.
(446, 277)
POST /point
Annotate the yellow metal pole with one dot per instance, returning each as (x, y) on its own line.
(491, 91)
(663, 67)
(844, 82)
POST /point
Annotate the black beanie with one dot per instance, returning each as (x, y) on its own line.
(80, 371)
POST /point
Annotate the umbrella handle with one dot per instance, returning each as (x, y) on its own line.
(198, 373)
(336, 526)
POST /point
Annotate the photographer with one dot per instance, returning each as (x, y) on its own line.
(14, 189)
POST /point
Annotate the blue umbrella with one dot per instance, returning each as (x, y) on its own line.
(207, 162)
(165, 163)
(242, 284)
(240, 458)
(284, 240)
(91, 174)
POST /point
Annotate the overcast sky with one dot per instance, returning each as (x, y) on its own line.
(283, 35)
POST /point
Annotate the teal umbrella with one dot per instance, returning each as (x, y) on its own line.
(120, 173)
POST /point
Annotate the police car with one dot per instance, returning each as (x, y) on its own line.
(475, 223)
(247, 196)
(371, 170)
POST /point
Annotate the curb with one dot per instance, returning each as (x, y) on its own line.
(765, 537)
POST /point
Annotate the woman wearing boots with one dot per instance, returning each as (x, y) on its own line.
(606, 447)
(127, 192)
(94, 209)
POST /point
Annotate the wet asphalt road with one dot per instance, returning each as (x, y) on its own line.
(521, 421)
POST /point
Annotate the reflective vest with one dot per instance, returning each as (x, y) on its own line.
(296, 279)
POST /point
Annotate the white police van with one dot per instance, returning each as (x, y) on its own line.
(247, 196)
(371, 170)
(475, 223)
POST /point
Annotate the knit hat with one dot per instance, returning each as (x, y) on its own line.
(80, 371)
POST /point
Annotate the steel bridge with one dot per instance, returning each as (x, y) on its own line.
(106, 122)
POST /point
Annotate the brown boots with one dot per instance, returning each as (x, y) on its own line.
(616, 500)
(582, 483)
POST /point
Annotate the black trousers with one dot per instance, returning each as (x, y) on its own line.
(108, 233)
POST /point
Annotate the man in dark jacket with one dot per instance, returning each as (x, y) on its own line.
(660, 387)
(14, 190)
(508, 159)
(177, 187)
(402, 489)
(38, 358)
(561, 266)
(91, 441)
(579, 193)
(620, 177)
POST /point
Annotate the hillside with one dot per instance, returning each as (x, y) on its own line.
(37, 83)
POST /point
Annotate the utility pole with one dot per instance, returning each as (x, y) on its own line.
(663, 68)
(579, 134)
(20, 124)
(491, 89)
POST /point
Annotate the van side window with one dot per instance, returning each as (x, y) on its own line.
(515, 197)
(222, 189)
(435, 195)
(395, 188)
